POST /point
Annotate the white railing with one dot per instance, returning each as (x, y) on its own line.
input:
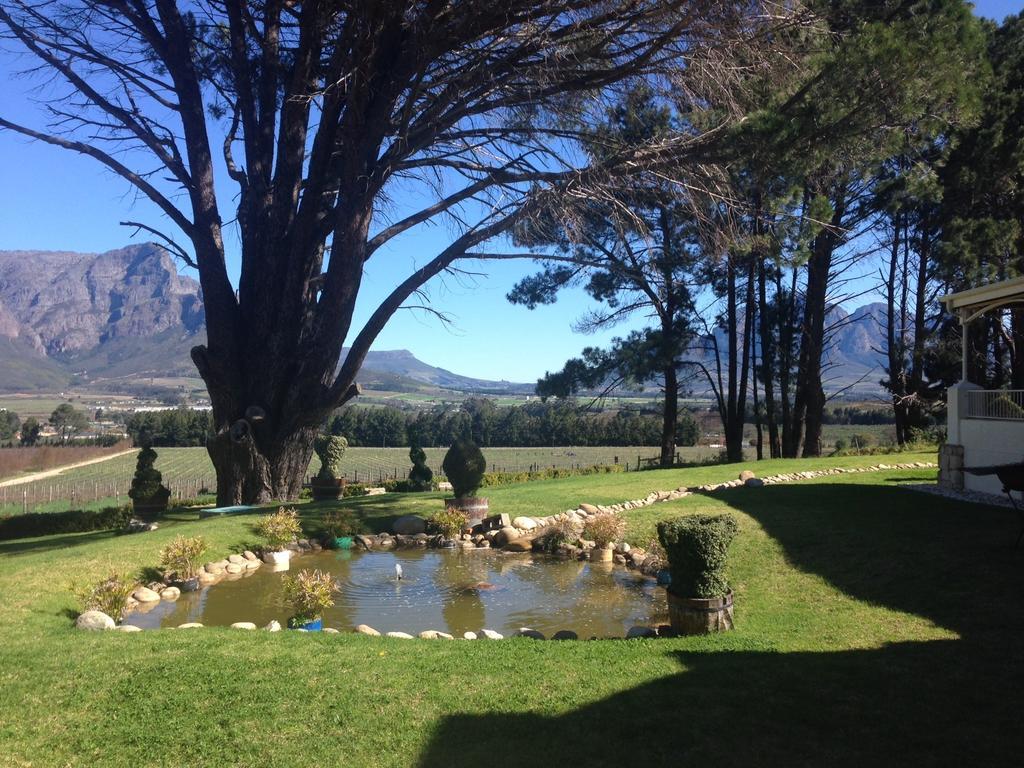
(1002, 404)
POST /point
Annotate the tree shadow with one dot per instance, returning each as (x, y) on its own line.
(938, 703)
(58, 541)
(949, 702)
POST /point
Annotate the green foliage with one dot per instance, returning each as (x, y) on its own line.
(309, 593)
(421, 477)
(72, 521)
(492, 479)
(697, 547)
(67, 421)
(464, 466)
(331, 450)
(147, 484)
(279, 528)
(342, 522)
(109, 596)
(181, 557)
(30, 429)
(604, 528)
(555, 535)
(180, 427)
(9, 425)
(449, 522)
(353, 490)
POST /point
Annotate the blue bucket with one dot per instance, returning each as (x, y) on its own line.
(343, 542)
(310, 626)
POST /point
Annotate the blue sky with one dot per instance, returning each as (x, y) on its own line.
(53, 200)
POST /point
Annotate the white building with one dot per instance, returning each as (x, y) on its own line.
(985, 426)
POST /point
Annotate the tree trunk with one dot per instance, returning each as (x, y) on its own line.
(767, 362)
(257, 470)
(670, 417)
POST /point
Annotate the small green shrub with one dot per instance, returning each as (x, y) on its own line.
(182, 557)
(450, 522)
(110, 596)
(551, 473)
(421, 477)
(342, 522)
(399, 486)
(555, 535)
(352, 490)
(697, 548)
(72, 521)
(604, 529)
(464, 466)
(309, 593)
(331, 450)
(147, 484)
(279, 528)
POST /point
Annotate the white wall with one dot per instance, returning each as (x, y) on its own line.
(987, 442)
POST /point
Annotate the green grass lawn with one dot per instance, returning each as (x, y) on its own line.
(875, 626)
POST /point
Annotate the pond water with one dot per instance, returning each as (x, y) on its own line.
(453, 591)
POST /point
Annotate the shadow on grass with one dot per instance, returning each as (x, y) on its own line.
(951, 702)
(59, 541)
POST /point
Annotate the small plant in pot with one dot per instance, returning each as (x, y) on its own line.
(148, 493)
(279, 529)
(697, 548)
(340, 525)
(309, 593)
(604, 529)
(421, 477)
(328, 483)
(181, 560)
(464, 466)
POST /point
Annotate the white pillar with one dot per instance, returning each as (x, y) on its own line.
(956, 407)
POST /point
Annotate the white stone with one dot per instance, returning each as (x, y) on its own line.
(127, 628)
(145, 595)
(236, 568)
(490, 634)
(190, 625)
(273, 626)
(330, 631)
(272, 558)
(469, 635)
(252, 565)
(401, 635)
(94, 620)
(364, 629)
(249, 555)
(243, 625)
(434, 634)
(171, 593)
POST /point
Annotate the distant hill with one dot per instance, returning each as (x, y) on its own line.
(126, 316)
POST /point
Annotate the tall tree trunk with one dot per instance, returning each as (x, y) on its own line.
(670, 417)
(767, 360)
(786, 325)
(893, 336)
(758, 426)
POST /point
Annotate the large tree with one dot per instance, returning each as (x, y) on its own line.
(318, 112)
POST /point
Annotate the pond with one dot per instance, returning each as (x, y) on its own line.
(453, 591)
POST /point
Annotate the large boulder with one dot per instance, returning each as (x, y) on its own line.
(746, 474)
(590, 509)
(505, 535)
(522, 544)
(364, 629)
(145, 595)
(409, 525)
(94, 620)
(524, 523)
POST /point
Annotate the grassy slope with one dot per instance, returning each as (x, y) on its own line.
(873, 626)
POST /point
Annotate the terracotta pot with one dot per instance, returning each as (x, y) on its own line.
(476, 508)
(698, 616)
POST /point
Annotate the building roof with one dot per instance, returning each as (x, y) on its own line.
(977, 301)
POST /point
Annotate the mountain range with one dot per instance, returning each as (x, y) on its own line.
(126, 317)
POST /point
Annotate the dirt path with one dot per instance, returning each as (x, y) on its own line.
(57, 470)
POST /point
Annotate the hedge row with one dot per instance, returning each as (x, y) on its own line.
(72, 521)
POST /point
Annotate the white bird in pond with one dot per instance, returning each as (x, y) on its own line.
(398, 570)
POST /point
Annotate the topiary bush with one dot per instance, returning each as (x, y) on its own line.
(421, 477)
(697, 547)
(331, 450)
(464, 466)
(147, 485)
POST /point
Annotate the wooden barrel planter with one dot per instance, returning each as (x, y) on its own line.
(327, 490)
(476, 508)
(696, 616)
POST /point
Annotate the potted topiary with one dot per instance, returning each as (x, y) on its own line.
(181, 561)
(279, 529)
(421, 477)
(604, 529)
(464, 466)
(699, 598)
(148, 494)
(328, 483)
(309, 593)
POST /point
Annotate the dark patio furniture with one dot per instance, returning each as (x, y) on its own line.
(1012, 478)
